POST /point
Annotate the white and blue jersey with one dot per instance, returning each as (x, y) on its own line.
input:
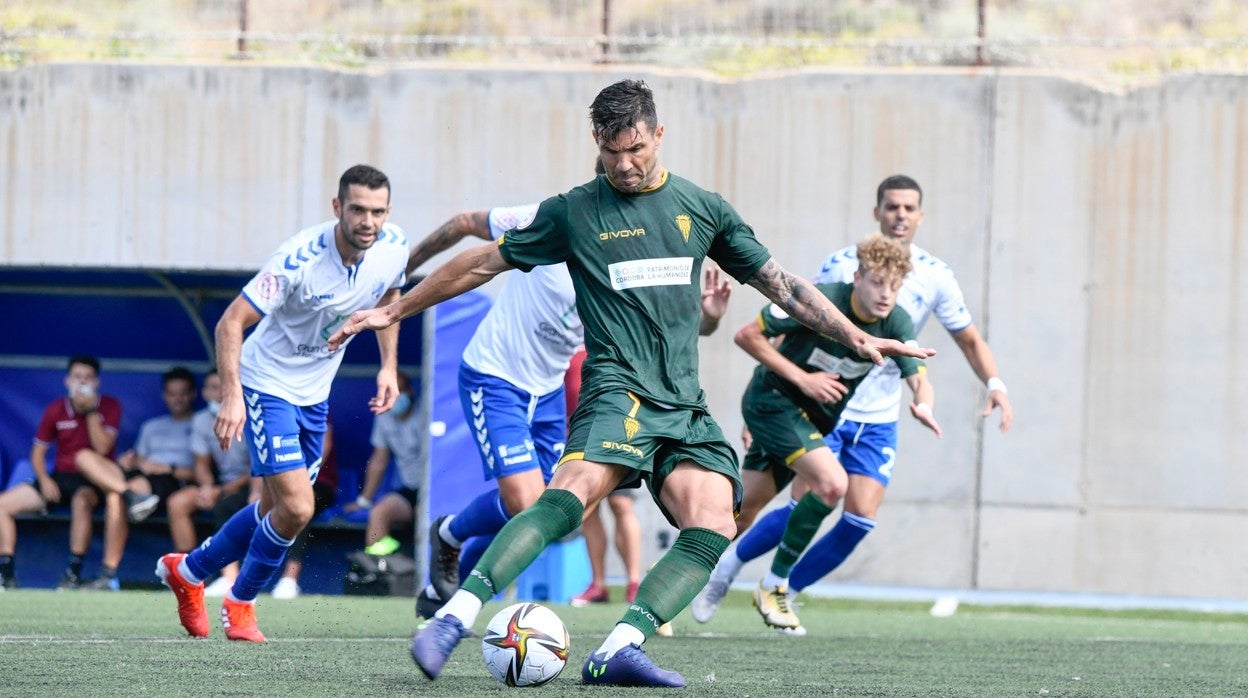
(304, 293)
(865, 438)
(511, 378)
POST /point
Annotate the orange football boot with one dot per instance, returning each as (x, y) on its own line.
(190, 597)
(239, 620)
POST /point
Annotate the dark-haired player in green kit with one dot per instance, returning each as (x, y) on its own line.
(797, 395)
(634, 240)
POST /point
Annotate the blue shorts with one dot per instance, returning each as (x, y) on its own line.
(517, 431)
(865, 449)
(282, 436)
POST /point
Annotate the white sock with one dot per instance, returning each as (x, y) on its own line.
(444, 532)
(186, 573)
(621, 636)
(774, 581)
(730, 563)
(463, 605)
(230, 595)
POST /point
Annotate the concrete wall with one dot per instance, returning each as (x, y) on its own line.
(1099, 238)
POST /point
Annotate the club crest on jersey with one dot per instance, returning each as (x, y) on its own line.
(685, 223)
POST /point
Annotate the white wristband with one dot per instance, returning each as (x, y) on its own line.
(996, 383)
(923, 408)
(363, 502)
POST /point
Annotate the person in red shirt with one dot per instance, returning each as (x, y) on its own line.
(82, 420)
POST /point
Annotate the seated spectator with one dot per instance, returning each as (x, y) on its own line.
(396, 435)
(82, 422)
(223, 478)
(160, 464)
(325, 494)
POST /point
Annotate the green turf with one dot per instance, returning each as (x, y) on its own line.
(129, 643)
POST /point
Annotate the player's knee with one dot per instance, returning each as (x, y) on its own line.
(832, 490)
(517, 499)
(290, 517)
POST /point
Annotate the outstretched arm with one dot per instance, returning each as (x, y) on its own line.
(461, 225)
(982, 362)
(464, 272)
(802, 301)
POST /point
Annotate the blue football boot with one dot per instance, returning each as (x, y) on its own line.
(628, 667)
(434, 642)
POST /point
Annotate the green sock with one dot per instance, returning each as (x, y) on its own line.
(676, 578)
(803, 524)
(554, 515)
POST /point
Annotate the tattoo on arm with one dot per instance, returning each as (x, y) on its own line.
(452, 231)
(802, 301)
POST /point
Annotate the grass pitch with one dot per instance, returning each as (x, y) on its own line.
(129, 643)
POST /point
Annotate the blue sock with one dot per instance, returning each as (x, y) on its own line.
(471, 552)
(829, 552)
(228, 544)
(765, 534)
(483, 516)
(264, 559)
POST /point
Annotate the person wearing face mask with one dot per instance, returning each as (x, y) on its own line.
(223, 480)
(84, 420)
(395, 437)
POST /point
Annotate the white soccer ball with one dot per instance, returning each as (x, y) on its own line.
(525, 645)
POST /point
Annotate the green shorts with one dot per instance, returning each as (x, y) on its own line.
(615, 426)
(780, 432)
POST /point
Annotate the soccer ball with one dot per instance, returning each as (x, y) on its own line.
(525, 645)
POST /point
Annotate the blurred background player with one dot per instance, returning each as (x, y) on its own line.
(160, 463)
(866, 438)
(791, 402)
(511, 390)
(395, 437)
(82, 420)
(276, 389)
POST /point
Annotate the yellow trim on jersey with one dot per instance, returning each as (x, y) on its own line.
(870, 319)
(662, 181)
(788, 460)
(762, 324)
(575, 455)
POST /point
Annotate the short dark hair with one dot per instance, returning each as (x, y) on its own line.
(177, 373)
(897, 181)
(85, 360)
(620, 107)
(365, 175)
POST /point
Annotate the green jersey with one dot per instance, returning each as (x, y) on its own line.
(636, 265)
(814, 352)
